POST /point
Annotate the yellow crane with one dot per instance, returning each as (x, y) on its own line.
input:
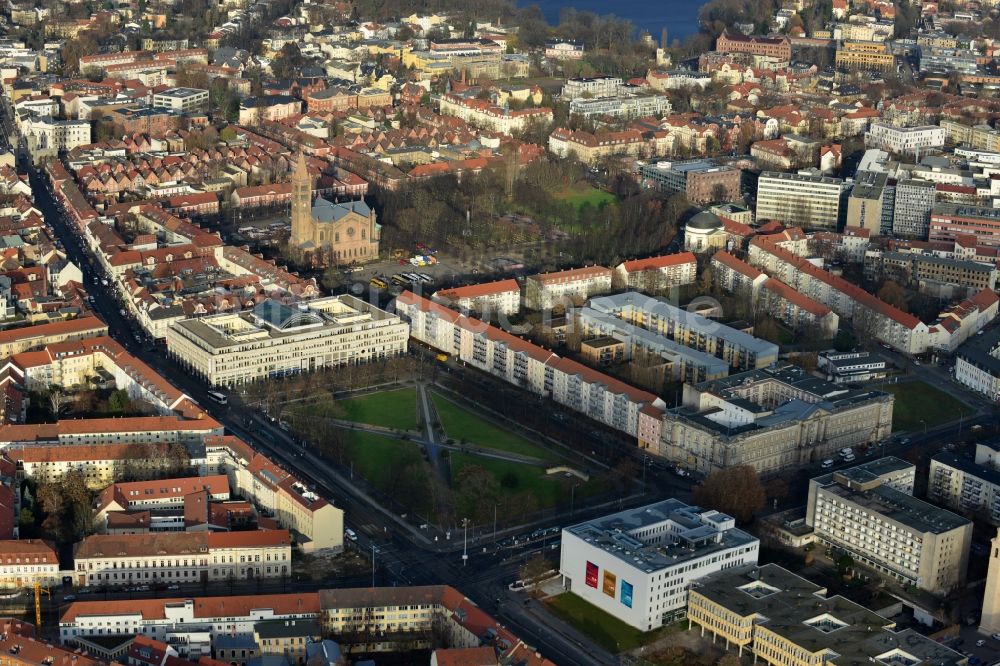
(38, 603)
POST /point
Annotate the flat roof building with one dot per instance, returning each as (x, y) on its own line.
(869, 512)
(637, 564)
(274, 339)
(786, 620)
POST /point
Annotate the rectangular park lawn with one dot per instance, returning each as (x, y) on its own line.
(605, 629)
(460, 424)
(918, 402)
(395, 409)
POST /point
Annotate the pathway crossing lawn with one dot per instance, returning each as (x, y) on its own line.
(596, 624)
(391, 409)
(513, 477)
(918, 401)
(460, 424)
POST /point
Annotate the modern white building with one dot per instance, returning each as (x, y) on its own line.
(637, 565)
(274, 339)
(794, 199)
(847, 367)
(621, 106)
(869, 512)
(595, 86)
(181, 99)
(905, 140)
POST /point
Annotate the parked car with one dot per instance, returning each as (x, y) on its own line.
(827, 464)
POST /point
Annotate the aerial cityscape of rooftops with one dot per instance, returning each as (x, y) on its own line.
(385, 332)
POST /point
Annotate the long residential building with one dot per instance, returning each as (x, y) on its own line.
(869, 511)
(637, 565)
(517, 361)
(182, 557)
(682, 363)
(502, 297)
(970, 486)
(486, 115)
(369, 619)
(740, 350)
(654, 275)
(798, 312)
(810, 201)
(888, 324)
(570, 287)
(33, 338)
(786, 620)
(977, 364)
(274, 339)
(24, 562)
(774, 420)
(140, 430)
(314, 523)
(950, 221)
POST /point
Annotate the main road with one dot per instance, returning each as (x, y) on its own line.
(404, 555)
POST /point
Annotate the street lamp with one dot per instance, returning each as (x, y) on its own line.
(465, 541)
(925, 426)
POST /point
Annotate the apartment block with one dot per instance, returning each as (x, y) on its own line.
(897, 140)
(637, 565)
(547, 290)
(591, 148)
(701, 180)
(182, 557)
(34, 338)
(655, 275)
(914, 201)
(502, 297)
(485, 115)
(869, 511)
(25, 562)
(517, 361)
(774, 420)
(735, 275)
(866, 205)
(949, 221)
(621, 106)
(977, 365)
(677, 362)
(778, 48)
(809, 201)
(969, 486)
(274, 339)
(798, 312)
(786, 620)
(865, 56)
(172, 620)
(184, 100)
(926, 271)
(315, 523)
(596, 86)
(738, 349)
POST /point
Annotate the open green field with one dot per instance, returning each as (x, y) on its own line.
(604, 628)
(377, 458)
(581, 194)
(460, 424)
(548, 489)
(390, 409)
(919, 402)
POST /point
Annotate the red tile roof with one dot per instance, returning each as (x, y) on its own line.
(662, 261)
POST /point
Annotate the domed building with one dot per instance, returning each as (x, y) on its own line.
(704, 232)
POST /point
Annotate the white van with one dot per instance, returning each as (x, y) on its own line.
(349, 533)
(827, 464)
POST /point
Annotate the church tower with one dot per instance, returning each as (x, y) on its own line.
(989, 622)
(302, 223)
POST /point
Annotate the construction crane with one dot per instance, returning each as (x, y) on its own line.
(38, 603)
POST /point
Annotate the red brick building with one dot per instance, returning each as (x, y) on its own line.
(779, 47)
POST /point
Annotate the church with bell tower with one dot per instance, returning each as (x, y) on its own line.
(348, 232)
